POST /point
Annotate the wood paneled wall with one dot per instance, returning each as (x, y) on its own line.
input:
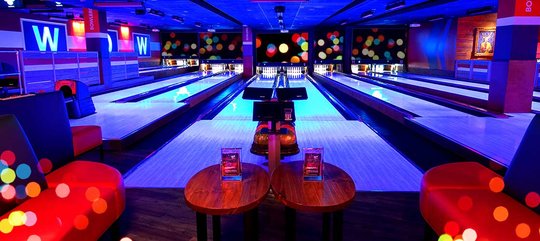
(466, 30)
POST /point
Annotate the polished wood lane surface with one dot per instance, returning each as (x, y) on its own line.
(414, 105)
(207, 193)
(495, 138)
(370, 161)
(335, 192)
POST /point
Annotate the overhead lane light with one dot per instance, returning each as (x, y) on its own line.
(119, 4)
(280, 10)
(436, 18)
(156, 13)
(368, 13)
(395, 5)
(178, 19)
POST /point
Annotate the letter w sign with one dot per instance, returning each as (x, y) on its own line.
(141, 44)
(44, 36)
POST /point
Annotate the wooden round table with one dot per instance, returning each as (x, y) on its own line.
(207, 194)
(329, 196)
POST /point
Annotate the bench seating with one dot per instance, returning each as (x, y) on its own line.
(459, 196)
(76, 201)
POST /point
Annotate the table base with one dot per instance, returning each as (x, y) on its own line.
(251, 224)
(332, 224)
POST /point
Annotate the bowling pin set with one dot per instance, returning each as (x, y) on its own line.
(292, 72)
(295, 72)
(321, 68)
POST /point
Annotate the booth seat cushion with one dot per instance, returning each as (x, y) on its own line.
(86, 174)
(79, 216)
(464, 175)
(494, 216)
(86, 138)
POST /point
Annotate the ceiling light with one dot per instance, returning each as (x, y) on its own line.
(395, 5)
(198, 24)
(155, 30)
(156, 13)
(343, 23)
(211, 30)
(368, 13)
(435, 18)
(415, 25)
(178, 19)
(284, 31)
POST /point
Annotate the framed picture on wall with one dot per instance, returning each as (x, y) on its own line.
(484, 42)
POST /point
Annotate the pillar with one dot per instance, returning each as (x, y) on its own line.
(514, 61)
(248, 51)
(95, 24)
(347, 50)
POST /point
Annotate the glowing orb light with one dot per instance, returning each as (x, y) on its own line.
(500, 213)
(258, 42)
(271, 50)
(62, 190)
(532, 199)
(33, 189)
(304, 46)
(328, 51)
(283, 48)
(496, 184)
(8, 175)
(304, 56)
(523, 230)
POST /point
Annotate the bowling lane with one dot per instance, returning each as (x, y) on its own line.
(240, 109)
(316, 107)
(374, 167)
(109, 97)
(412, 104)
(455, 90)
(449, 89)
(184, 92)
(443, 80)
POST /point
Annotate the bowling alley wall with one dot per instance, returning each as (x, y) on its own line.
(12, 34)
(205, 46)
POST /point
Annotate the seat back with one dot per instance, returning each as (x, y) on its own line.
(45, 120)
(523, 175)
(18, 165)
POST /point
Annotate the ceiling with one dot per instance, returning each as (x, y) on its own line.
(298, 14)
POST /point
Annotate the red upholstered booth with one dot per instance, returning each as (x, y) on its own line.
(86, 138)
(469, 200)
(77, 201)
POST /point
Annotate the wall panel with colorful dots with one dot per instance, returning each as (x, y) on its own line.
(179, 45)
(220, 46)
(329, 46)
(379, 45)
(282, 48)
